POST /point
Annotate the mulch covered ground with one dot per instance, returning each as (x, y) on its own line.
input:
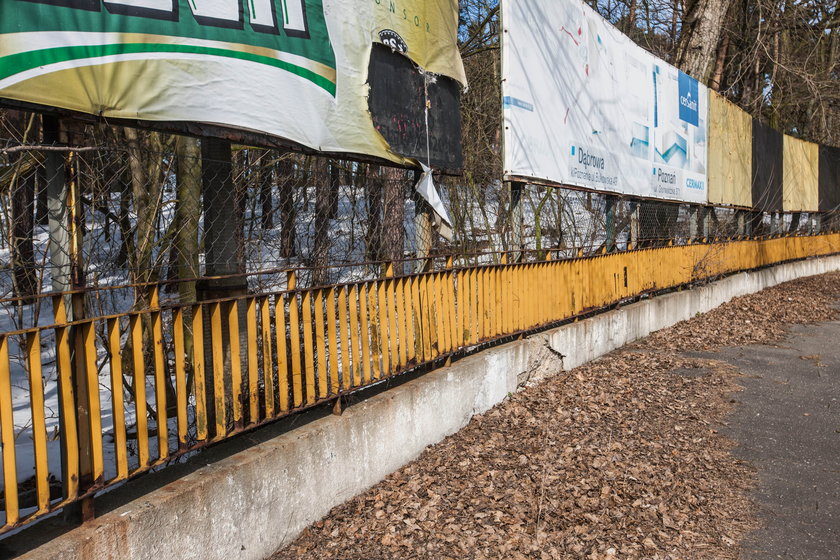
(620, 458)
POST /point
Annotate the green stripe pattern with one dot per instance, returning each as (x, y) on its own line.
(21, 62)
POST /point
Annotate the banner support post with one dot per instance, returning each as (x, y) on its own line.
(516, 219)
(610, 204)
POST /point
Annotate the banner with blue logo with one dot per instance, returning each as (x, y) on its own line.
(585, 106)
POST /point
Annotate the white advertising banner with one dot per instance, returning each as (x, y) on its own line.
(585, 106)
(294, 69)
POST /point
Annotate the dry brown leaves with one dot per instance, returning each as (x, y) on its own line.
(755, 318)
(618, 459)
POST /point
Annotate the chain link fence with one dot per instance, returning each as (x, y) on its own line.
(112, 210)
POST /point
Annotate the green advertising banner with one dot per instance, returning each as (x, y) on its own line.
(294, 69)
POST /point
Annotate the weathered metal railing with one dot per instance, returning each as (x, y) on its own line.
(204, 372)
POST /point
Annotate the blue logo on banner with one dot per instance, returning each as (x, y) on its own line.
(689, 99)
(509, 102)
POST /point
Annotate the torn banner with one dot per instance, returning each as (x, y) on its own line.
(426, 188)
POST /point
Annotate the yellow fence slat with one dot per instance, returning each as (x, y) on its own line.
(308, 349)
(436, 322)
(253, 363)
(497, 300)
(7, 436)
(392, 335)
(410, 318)
(464, 304)
(117, 399)
(179, 347)
(487, 299)
(332, 339)
(354, 343)
(235, 362)
(283, 387)
(426, 316)
(382, 326)
(139, 377)
(344, 334)
(94, 409)
(267, 361)
(401, 315)
(295, 351)
(478, 300)
(69, 429)
(217, 348)
(199, 373)
(415, 334)
(160, 386)
(39, 425)
(321, 345)
(375, 332)
(445, 313)
(451, 310)
(364, 332)
(475, 323)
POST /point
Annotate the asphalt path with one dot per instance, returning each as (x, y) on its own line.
(786, 422)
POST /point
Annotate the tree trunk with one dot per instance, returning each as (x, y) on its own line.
(144, 162)
(266, 198)
(288, 182)
(22, 190)
(700, 36)
(322, 173)
(719, 64)
(373, 237)
(187, 213)
(393, 232)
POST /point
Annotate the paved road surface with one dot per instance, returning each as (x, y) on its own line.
(788, 426)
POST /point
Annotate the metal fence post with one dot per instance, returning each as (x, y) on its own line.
(610, 204)
(516, 220)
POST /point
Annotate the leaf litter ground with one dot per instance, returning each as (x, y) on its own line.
(620, 458)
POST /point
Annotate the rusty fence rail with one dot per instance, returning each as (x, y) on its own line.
(136, 390)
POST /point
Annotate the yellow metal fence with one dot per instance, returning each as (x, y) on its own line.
(203, 372)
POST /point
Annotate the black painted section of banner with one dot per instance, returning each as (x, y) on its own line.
(767, 168)
(829, 179)
(397, 104)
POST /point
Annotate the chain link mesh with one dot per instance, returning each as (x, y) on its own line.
(143, 208)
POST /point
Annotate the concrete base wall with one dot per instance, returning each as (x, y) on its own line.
(249, 504)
